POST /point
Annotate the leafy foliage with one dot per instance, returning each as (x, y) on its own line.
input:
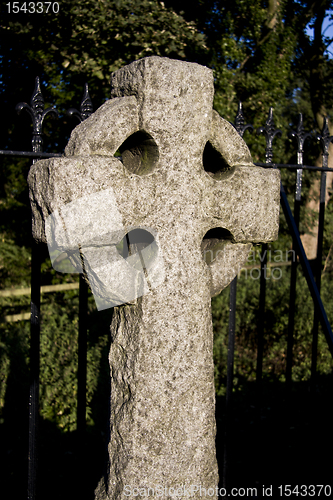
(276, 329)
(59, 361)
(58, 357)
(86, 41)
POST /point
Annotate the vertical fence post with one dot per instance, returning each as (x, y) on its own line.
(325, 139)
(270, 133)
(301, 136)
(34, 371)
(86, 109)
(230, 373)
(261, 313)
(37, 113)
(82, 357)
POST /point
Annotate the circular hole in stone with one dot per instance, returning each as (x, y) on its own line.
(213, 243)
(139, 153)
(214, 163)
(140, 247)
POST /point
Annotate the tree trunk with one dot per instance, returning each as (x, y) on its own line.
(317, 66)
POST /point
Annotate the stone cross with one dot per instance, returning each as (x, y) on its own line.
(186, 187)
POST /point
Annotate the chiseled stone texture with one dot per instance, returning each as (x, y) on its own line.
(161, 358)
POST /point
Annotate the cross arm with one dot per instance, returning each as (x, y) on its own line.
(247, 204)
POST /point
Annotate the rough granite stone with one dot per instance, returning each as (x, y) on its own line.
(184, 172)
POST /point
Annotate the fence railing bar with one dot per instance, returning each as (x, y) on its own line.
(37, 113)
(86, 109)
(318, 274)
(230, 374)
(307, 270)
(270, 132)
(301, 137)
(34, 372)
(325, 139)
(292, 310)
(82, 357)
(261, 316)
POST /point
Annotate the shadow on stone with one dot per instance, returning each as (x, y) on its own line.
(139, 153)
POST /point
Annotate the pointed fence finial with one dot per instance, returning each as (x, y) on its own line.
(325, 138)
(270, 132)
(301, 137)
(37, 113)
(300, 134)
(37, 99)
(86, 107)
(239, 121)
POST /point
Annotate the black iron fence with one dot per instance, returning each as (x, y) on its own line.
(312, 272)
